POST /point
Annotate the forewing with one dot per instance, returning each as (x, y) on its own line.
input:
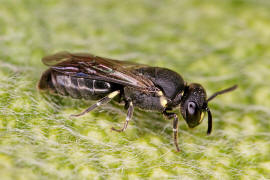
(57, 58)
(94, 67)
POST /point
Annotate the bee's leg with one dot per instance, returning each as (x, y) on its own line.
(175, 127)
(102, 101)
(129, 116)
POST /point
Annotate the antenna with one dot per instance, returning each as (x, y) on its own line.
(222, 92)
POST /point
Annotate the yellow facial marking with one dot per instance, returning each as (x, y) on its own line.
(163, 101)
(113, 94)
(202, 116)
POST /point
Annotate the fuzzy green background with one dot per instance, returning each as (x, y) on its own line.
(215, 43)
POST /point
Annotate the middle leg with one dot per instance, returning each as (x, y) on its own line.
(129, 116)
(175, 127)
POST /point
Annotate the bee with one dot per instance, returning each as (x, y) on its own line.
(90, 77)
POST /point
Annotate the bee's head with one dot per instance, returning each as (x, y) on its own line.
(194, 104)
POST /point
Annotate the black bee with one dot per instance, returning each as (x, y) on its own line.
(150, 88)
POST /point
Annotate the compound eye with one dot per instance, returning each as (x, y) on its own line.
(191, 108)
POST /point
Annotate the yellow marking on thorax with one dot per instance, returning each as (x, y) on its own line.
(160, 93)
(163, 101)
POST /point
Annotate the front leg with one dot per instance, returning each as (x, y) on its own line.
(175, 127)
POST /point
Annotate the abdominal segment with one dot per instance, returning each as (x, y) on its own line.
(75, 87)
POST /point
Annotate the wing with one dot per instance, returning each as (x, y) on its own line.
(95, 67)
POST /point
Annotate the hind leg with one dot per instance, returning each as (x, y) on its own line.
(102, 101)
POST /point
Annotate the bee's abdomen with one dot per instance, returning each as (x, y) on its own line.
(76, 87)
